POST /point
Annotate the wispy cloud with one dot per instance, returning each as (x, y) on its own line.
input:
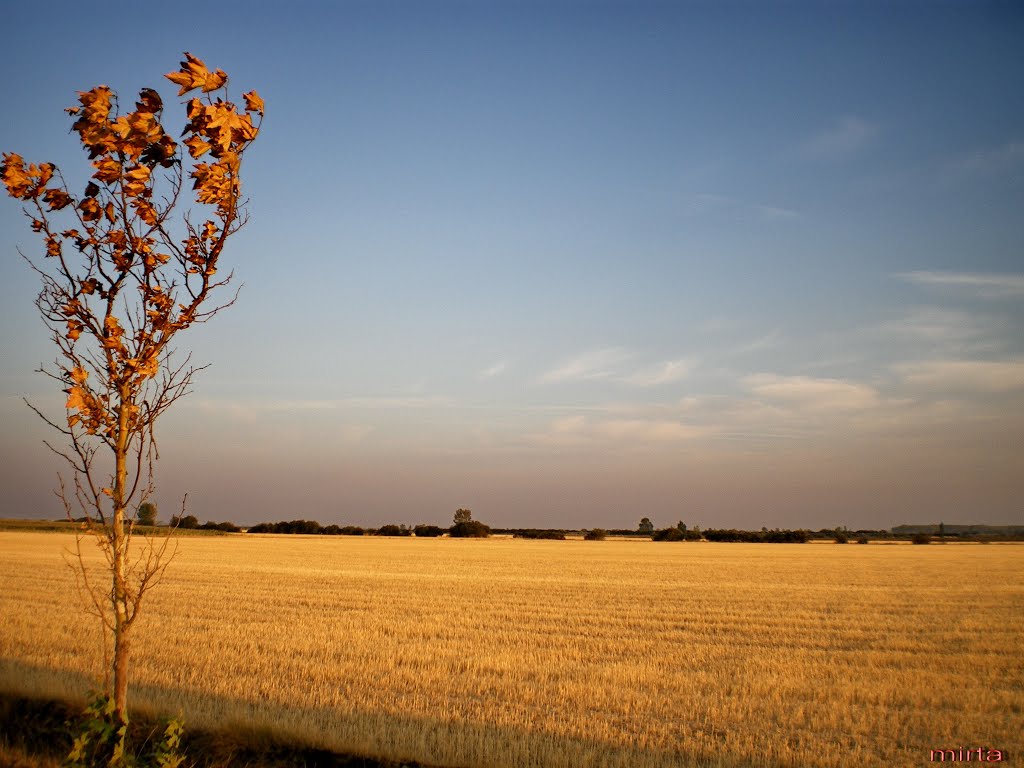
(814, 394)
(706, 202)
(850, 134)
(579, 432)
(663, 373)
(775, 213)
(938, 325)
(599, 364)
(991, 161)
(978, 377)
(254, 408)
(766, 341)
(431, 401)
(984, 285)
(494, 370)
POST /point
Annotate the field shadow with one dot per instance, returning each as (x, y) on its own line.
(36, 702)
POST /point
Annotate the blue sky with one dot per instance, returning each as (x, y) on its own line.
(570, 264)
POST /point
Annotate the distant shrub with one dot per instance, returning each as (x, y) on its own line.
(840, 538)
(862, 540)
(186, 521)
(921, 538)
(227, 527)
(351, 530)
(786, 537)
(534, 533)
(394, 530)
(146, 514)
(769, 537)
(669, 534)
(290, 526)
(595, 534)
(469, 529)
(428, 531)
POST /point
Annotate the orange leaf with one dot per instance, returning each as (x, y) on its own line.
(107, 170)
(15, 178)
(76, 399)
(194, 74)
(215, 80)
(253, 102)
(149, 101)
(57, 199)
(90, 209)
(196, 146)
(135, 180)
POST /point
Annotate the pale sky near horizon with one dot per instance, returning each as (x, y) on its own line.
(575, 263)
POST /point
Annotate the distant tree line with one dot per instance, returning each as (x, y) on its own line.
(463, 526)
(307, 527)
(956, 532)
(770, 537)
(679, 532)
(537, 533)
(191, 522)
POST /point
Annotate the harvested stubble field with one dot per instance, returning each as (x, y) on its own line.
(541, 653)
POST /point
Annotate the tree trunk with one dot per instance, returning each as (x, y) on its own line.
(121, 654)
(119, 594)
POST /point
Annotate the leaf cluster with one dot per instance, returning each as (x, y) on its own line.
(115, 271)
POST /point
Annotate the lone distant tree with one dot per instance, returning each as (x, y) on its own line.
(465, 527)
(646, 526)
(146, 514)
(185, 522)
(123, 271)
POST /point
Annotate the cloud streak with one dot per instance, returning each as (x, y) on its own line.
(848, 136)
(664, 373)
(814, 394)
(986, 285)
(579, 432)
(494, 370)
(964, 377)
(599, 364)
(988, 162)
(706, 202)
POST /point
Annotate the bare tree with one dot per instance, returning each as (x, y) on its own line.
(123, 272)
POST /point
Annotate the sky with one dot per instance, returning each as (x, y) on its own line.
(571, 264)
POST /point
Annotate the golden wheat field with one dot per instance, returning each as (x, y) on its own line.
(546, 653)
